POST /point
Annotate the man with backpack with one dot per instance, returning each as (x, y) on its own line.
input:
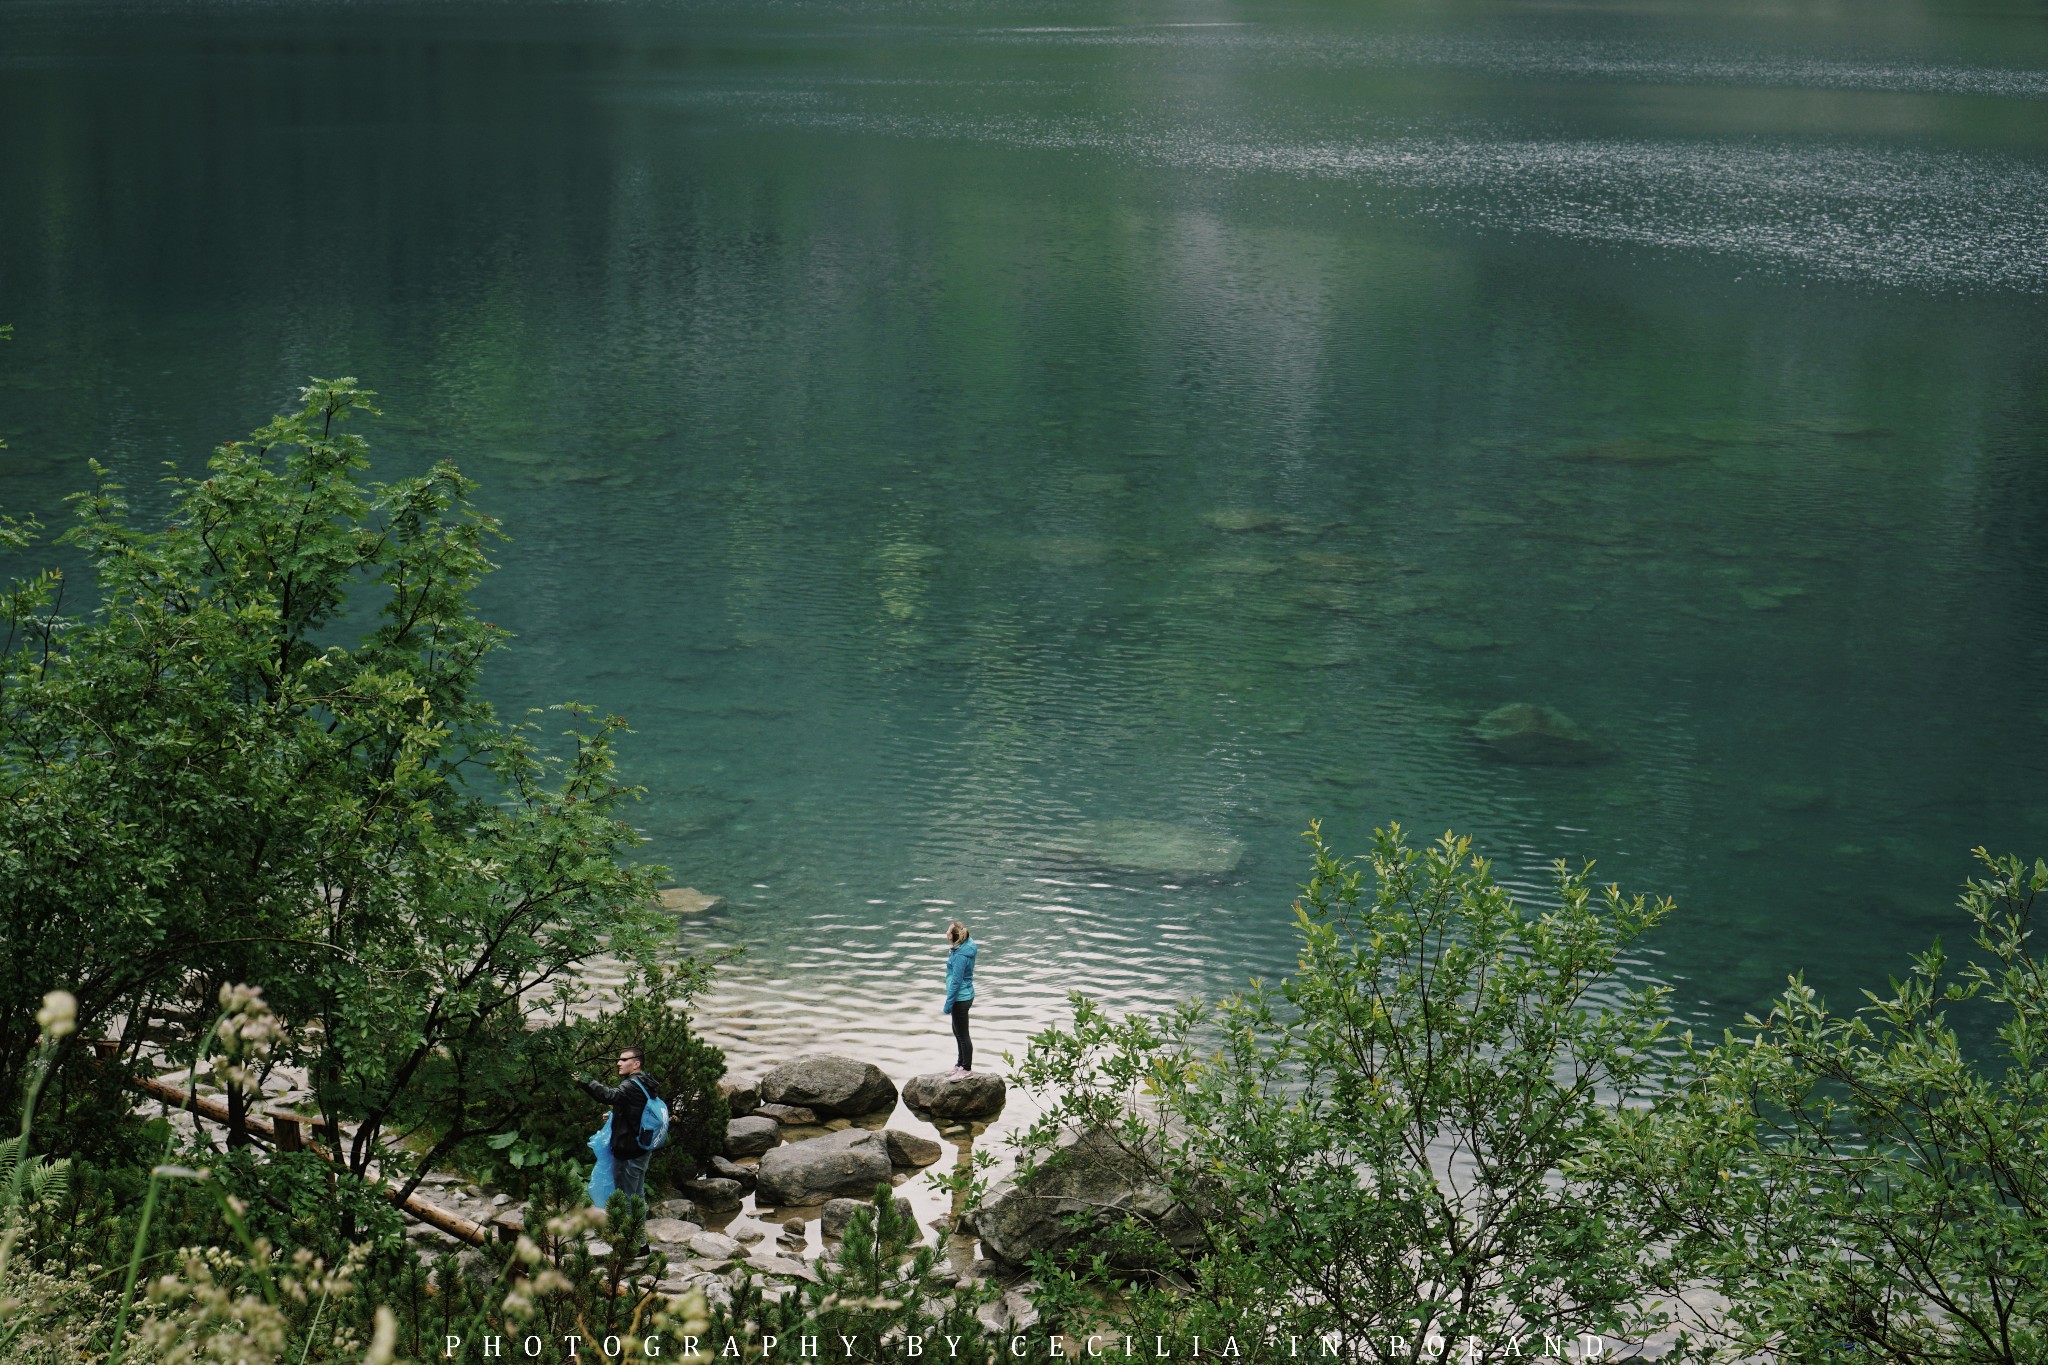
(639, 1121)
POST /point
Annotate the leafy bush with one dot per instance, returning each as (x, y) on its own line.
(556, 1124)
(1861, 1186)
(1386, 1147)
(203, 783)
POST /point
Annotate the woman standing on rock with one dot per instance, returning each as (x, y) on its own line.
(960, 991)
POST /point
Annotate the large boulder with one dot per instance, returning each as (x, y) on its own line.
(742, 1176)
(1103, 1182)
(851, 1162)
(740, 1099)
(1523, 733)
(830, 1087)
(941, 1094)
(751, 1136)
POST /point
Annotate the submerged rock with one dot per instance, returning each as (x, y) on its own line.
(1637, 453)
(1150, 846)
(1485, 516)
(687, 900)
(1071, 552)
(1769, 599)
(830, 1087)
(1242, 566)
(1792, 797)
(1460, 640)
(1523, 733)
(1236, 520)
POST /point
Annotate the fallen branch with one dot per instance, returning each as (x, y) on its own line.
(283, 1132)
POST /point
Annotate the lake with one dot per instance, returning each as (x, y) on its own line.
(1026, 461)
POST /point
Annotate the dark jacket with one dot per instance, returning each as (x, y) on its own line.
(628, 1100)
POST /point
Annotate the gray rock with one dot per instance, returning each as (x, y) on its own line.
(793, 1227)
(941, 1094)
(714, 1246)
(752, 1135)
(742, 1176)
(749, 1234)
(682, 1209)
(1023, 1312)
(740, 1100)
(790, 1115)
(1090, 1185)
(717, 1293)
(671, 1231)
(682, 1282)
(839, 1212)
(783, 1267)
(714, 1193)
(829, 1086)
(908, 1149)
(1524, 733)
(812, 1171)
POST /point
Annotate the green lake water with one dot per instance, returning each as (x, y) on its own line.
(941, 428)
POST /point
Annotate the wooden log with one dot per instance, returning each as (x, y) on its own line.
(205, 1106)
(285, 1127)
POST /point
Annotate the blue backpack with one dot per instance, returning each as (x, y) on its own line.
(653, 1119)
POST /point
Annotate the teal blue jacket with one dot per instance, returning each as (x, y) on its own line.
(959, 974)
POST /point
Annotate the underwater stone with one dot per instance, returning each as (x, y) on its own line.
(1150, 846)
(1524, 733)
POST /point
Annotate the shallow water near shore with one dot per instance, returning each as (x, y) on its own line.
(965, 439)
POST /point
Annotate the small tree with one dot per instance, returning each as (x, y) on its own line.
(1386, 1147)
(203, 779)
(1861, 1186)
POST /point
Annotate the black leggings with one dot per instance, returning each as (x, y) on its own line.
(966, 1060)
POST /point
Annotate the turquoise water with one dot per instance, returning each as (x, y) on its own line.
(941, 428)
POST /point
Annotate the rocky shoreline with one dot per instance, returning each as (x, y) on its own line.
(807, 1145)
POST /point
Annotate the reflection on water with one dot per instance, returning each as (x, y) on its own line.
(1024, 467)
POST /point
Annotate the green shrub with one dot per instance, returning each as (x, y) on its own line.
(558, 1118)
(1864, 1185)
(1388, 1145)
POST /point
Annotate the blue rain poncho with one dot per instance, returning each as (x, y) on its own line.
(601, 1185)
